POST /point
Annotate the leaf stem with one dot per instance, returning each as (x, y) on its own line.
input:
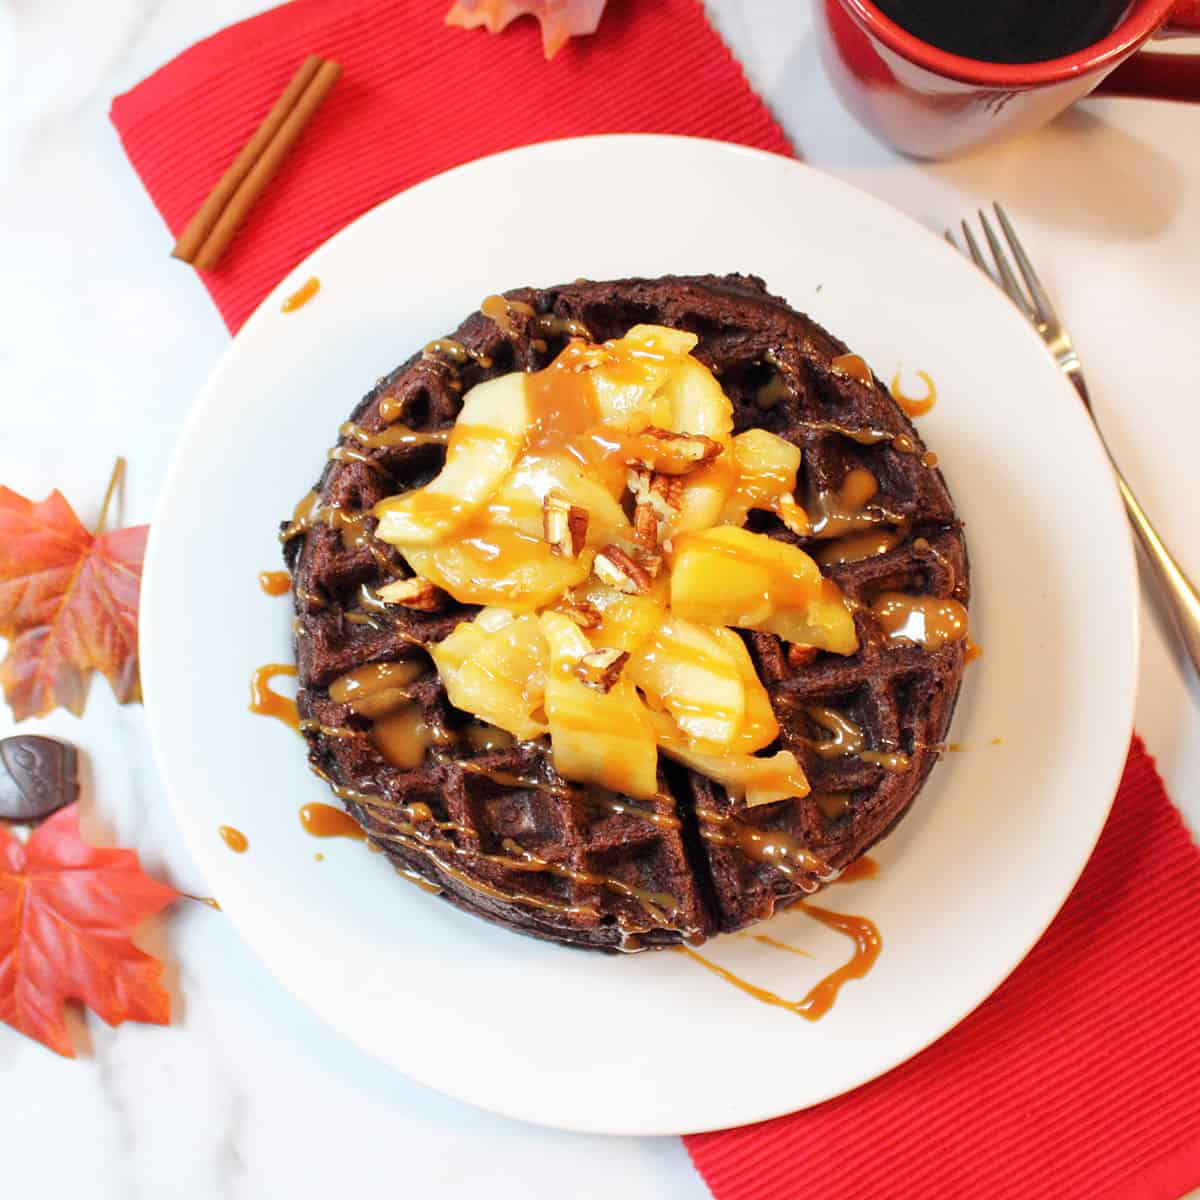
(114, 480)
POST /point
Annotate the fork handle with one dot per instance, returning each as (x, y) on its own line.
(1181, 595)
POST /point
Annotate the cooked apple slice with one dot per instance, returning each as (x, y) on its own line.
(693, 674)
(596, 737)
(484, 445)
(499, 565)
(520, 500)
(766, 473)
(625, 621)
(729, 576)
(759, 726)
(630, 375)
(495, 668)
(758, 780)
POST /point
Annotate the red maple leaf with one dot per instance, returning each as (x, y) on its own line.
(68, 604)
(67, 910)
(561, 19)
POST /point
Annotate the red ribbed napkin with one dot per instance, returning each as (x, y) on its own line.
(1078, 1080)
(415, 98)
(1081, 1076)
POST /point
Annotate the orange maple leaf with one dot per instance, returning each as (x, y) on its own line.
(561, 19)
(67, 911)
(68, 605)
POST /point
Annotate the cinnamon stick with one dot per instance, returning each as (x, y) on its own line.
(271, 151)
(201, 225)
(269, 162)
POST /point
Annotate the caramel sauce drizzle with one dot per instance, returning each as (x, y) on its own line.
(268, 703)
(915, 406)
(359, 455)
(856, 546)
(207, 901)
(235, 839)
(820, 998)
(454, 352)
(325, 821)
(500, 310)
(661, 908)
(274, 583)
(302, 295)
(774, 847)
(930, 621)
(844, 510)
(831, 804)
(392, 435)
(853, 366)
(848, 739)
(973, 651)
(402, 737)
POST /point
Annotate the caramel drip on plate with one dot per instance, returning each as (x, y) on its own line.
(274, 583)
(302, 295)
(973, 651)
(775, 944)
(268, 703)
(325, 821)
(861, 868)
(930, 621)
(915, 406)
(235, 839)
(820, 998)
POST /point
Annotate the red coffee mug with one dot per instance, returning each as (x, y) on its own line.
(932, 104)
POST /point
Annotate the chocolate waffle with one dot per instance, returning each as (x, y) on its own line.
(487, 821)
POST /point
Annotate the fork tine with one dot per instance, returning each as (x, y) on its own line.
(1041, 301)
(973, 247)
(949, 238)
(1008, 281)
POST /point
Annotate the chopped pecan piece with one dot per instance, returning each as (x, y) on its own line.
(799, 657)
(415, 593)
(792, 515)
(564, 525)
(585, 615)
(600, 669)
(618, 570)
(674, 453)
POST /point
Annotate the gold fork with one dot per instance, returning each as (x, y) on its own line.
(1179, 592)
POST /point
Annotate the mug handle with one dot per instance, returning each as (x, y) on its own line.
(1162, 76)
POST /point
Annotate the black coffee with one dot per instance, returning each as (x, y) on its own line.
(1007, 31)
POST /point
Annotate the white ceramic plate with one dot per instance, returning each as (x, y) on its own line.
(651, 1043)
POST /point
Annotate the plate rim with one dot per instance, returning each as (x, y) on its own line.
(153, 581)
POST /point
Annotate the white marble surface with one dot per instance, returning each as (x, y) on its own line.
(103, 344)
